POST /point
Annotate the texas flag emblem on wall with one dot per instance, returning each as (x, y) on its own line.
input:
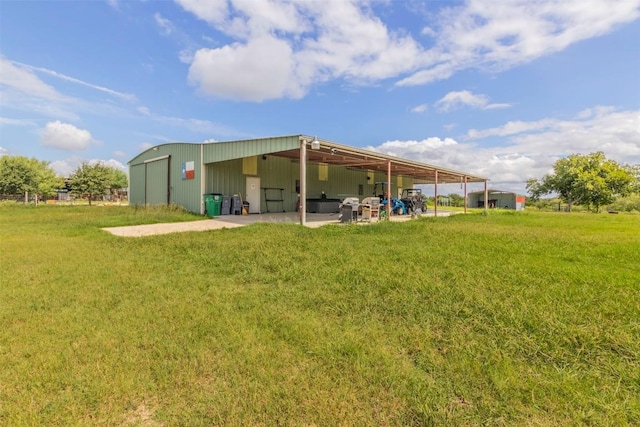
(188, 170)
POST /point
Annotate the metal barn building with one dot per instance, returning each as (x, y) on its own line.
(495, 199)
(279, 174)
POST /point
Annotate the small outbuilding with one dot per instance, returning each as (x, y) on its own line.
(495, 199)
(279, 174)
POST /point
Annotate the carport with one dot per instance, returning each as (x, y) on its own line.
(314, 150)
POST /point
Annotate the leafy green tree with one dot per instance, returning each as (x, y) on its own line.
(588, 180)
(23, 175)
(536, 189)
(456, 199)
(48, 181)
(119, 180)
(91, 180)
(97, 179)
(634, 170)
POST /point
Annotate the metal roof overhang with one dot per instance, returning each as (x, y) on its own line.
(493, 191)
(350, 157)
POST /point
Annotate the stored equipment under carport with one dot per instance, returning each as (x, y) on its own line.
(349, 210)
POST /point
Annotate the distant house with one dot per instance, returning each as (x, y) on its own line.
(496, 199)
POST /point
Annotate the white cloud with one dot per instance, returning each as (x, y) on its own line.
(419, 108)
(125, 96)
(350, 42)
(511, 128)
(496, 106)
(16, 122)
(65, 136)
(413, 149)
(186, 56)
(23, 90)
(290, 46)
(427, 31)
(262, 69)
(214, 12)
(22, 79)
(616, 133)
(457, 99)
(165, 25)
(112, 163)
(68, 166)
(314, 43)
(500, 35)
(530, 148)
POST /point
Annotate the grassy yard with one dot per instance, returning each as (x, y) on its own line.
(506, 319)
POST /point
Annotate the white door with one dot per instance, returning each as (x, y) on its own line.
(253, 194)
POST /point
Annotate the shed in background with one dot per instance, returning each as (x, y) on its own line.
(496, 199)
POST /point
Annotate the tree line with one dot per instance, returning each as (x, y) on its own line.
(591, 180)
(23, 176)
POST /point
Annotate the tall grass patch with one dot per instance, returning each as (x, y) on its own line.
(513, 319)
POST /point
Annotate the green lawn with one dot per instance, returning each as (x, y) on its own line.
(506, 319)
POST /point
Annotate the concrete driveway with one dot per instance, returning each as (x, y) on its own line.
(223, 221)
(232, 221)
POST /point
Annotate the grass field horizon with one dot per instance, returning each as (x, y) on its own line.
(499, 319)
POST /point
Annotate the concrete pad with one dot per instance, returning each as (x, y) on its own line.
(232, 221)
(166, 228)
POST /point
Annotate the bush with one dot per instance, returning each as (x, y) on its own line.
(626, 204)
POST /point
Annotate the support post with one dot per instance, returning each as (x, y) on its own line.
(389, 189)
(465, 194)
(486, 197)
(202, 179)
(303, 182)
(435, 205)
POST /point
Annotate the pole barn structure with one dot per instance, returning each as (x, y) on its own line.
(286, 174)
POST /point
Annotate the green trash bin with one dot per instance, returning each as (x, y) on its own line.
(212, 204)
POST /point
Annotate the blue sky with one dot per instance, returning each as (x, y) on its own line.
(498, 88)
